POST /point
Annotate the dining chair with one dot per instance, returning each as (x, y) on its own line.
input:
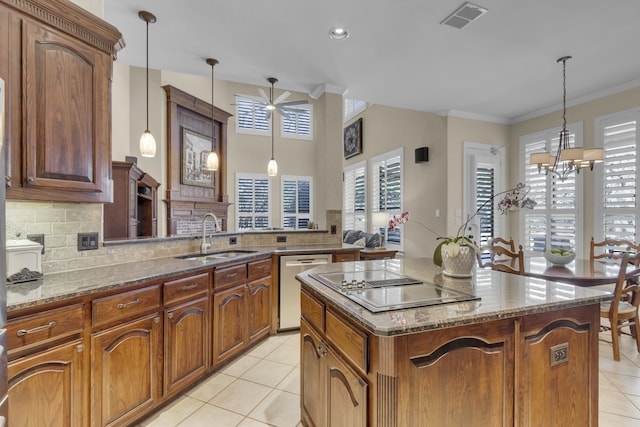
(503, 257)
(611, 249)
(622, 310)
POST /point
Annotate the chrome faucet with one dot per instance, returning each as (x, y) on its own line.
(203, 244)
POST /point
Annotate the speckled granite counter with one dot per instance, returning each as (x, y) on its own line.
(502, 295)
(61, 286)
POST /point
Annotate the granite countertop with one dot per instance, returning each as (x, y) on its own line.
(60, 286)
(502, 295)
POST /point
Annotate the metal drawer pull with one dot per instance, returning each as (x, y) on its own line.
(23, 332)
(230, 275)
(129, 304)
(189, 287)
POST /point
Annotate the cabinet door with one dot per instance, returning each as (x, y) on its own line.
(125, 371)
(452, 372)
(561, 348)
(347, 394)
(47, 388)
(185, 344)
(65, 114)
(259, 308)
(229, 323)
(313, 394)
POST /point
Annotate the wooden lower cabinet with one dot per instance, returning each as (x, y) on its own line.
(229, 323)
(186, 343)
(126, 371)
(48, 388)
(333, 394)
(241, 316)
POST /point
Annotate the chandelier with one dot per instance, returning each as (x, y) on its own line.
(567, 159)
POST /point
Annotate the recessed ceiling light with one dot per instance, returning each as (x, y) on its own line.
(338, 33)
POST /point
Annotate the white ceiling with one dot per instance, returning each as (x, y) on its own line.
(501, 67)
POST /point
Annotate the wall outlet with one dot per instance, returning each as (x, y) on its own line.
(38, 238)
(334, 229)
(87, 241)
(233, 240)
(281, 239)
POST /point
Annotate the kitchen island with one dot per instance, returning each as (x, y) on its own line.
(523, 353)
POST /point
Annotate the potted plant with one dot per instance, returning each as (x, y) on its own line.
(456, 254)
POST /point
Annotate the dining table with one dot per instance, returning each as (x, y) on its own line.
(580, 272)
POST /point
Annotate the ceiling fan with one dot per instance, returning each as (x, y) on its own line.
(278, 104)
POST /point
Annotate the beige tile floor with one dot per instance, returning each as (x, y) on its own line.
(262, 389)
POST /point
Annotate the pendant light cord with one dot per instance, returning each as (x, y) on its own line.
(147, 75)
(272, 121)
(564, 94)
(213, 133)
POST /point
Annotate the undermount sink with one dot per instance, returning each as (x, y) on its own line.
(217, 255)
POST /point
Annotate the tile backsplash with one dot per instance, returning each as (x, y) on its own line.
(60, 224)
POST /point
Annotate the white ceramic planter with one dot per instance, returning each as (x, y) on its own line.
(459, 265)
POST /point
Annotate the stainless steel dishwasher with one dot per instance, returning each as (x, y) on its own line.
(290, 265)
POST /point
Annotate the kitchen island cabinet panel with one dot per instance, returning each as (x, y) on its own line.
(559, 350)
(48, 388)
(451, 365)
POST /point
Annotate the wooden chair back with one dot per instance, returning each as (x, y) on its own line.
(503, 257)
(611, 249)
(622, 311)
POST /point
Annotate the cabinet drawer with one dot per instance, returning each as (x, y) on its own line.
(44, 327)
(229, 276)
(258, 269)
(313, 311)
(186, 287)
(347, 340)
(345, 256)
(108, 309)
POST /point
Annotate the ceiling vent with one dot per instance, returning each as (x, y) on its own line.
(464, 15)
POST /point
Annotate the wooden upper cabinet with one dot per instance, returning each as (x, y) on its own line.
(58, 102)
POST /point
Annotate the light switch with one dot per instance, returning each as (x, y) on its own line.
(437, 213)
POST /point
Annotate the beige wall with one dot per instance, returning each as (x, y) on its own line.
(586, 113)
(387, 128)
(459, 131)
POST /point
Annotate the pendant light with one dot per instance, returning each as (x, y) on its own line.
(272, 167)
(212, 157)
(147, 141)
(567, 159)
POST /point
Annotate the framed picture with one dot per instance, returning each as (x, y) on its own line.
(353, 139)
(195, 148)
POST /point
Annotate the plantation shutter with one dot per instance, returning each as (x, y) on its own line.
(485, 187)
(386, 189)
(299, 124)
(252, 207)
(619, 178)
(296, 202)
(352, 107)
(251, 117)
(554, 220)
(354, 198)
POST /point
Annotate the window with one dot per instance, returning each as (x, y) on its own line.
(386, 190)
(251, 117)
(253, 207)
(297, 203)
(617, 177)
(351, 108)
(299, 124)
(557, 217)
(354, 205)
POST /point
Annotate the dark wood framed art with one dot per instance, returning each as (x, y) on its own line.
(195, 149)
(353, 139)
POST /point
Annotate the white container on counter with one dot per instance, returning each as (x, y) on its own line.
(21, 254)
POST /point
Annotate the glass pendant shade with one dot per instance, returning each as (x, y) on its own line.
(272, 167)
(212, 161)
(147, 144)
